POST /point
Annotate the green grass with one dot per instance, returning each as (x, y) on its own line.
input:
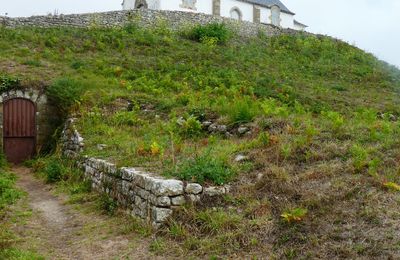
(9, 195)
(204, 167)
(17, 254)
(323, 117)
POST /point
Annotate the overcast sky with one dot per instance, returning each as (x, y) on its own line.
(373, 25)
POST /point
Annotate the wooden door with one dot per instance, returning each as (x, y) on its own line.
(19, 129)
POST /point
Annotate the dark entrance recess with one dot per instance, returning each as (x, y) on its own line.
(19, 131)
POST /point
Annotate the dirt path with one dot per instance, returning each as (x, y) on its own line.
(58, 231)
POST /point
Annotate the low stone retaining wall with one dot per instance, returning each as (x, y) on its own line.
(145, 18)
(146, 195)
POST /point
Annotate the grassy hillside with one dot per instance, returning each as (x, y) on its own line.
(320, 130)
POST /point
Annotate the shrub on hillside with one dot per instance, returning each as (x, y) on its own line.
(190, 128)
(125, 118)
(205, 168)
(213, 32)
(54, 171)
(242, 110)
(7, 83)
(65, 93)
(107, 204)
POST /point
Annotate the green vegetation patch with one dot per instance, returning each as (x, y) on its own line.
(318, 140)
(206, 167)
(213, 33)
(8, 193)
(8, 83)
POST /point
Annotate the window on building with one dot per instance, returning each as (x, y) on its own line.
(276, 15)
(189, 4)
(236, 14)
(140, 4)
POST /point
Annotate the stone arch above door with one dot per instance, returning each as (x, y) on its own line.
(43, 128)
(19, 129)
(275, 15)
(236, 13)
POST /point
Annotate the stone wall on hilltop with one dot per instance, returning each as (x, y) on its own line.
(146, 18)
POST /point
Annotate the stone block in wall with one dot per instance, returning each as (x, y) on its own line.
(108, 168)
(214, 191)
(144, 194)
(140, 179)
(193, 188)
(167, 188)
(90, 170)
(178, 201)
(193, 198)
(163, 201)
(128, 174)
(160, 214)
(126, 187)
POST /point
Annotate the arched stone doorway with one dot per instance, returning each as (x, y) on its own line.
(26, 122)
(236, 13)
(19, 129)
(276, 15)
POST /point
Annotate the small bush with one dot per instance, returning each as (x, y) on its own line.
(7, 83)
(391, 186)
(336, 119)
(125, 118)
(205, 167)
(131, 27)
(65, 93)
(54, 171)
(107, 204)
(360, 157)
(191, 128)
(271, 107)
(210, 33)
(243, 110)
(294, 215)
(77, 64)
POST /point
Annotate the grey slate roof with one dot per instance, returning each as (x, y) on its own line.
(269, 3)
(299, 23)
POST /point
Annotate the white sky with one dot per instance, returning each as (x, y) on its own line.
(373, 25)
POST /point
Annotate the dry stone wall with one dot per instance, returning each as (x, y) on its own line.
(145, 18)
(146, 195)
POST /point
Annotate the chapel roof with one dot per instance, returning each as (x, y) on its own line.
(299, 23)
(270, 3)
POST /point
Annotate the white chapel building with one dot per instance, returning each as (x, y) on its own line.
(257, 11)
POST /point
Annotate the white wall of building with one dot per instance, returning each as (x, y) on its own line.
(287, 20)
(205, 6)
(202, 6)
(265, 15)
(245, 8)
(130, 4)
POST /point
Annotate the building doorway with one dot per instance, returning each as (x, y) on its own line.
(19, 129)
